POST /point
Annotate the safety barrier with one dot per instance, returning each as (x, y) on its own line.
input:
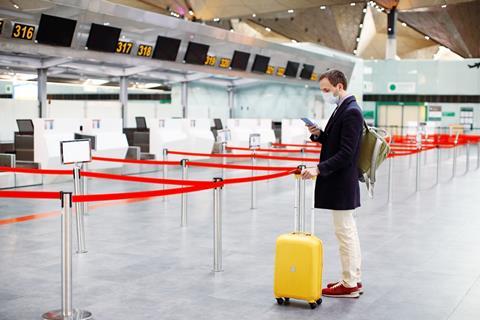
(188, 186)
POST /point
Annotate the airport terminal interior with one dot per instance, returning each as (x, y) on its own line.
(153, 159)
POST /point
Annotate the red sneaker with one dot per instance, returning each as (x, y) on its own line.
(359, 286)
(340, 291)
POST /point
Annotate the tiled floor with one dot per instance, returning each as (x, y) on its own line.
(421, 253)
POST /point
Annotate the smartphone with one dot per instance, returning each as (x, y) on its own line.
(308, 122)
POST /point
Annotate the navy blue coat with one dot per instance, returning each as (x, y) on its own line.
(337, 186)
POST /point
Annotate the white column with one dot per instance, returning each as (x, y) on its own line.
(124, 99)
(42, 92)
(231, 100)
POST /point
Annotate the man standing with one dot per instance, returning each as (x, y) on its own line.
(337, 187)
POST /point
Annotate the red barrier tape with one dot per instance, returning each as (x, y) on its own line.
(259, 156)
(275, 150)
(30, 194)
(259, 178)
(211, 155)
(142, 179)
(236, 166)
(155, 162)
(310, 144)
(141, 194)
(36, 171)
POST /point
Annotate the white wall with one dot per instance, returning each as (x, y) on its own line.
(10, 110)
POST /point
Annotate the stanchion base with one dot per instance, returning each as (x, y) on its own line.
(76, 315)
(82, 252)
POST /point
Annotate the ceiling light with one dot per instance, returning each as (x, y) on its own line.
(294, 41)
(404, 24)
(16, 6)
(106, 23)
(365, 10)
(427, 38)
(444, 6)
(190, 12)
(389, 29)
(216, 19)
(268, 29)
(355, 51)
(323, 7)
(290, 11)
(231, 30)
(358, 39)
(254, 15)
(352, 4)
(361, 25)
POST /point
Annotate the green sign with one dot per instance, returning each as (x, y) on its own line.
(448, 114)
(369, 114)
(393, 87)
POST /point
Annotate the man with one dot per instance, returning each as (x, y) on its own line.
(337, 187)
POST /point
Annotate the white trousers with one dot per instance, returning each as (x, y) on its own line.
(349, 245)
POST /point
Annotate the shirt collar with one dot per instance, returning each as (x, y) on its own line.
(344, 98)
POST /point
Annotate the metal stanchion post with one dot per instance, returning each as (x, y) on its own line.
(253, 194)
(418, 170)
(454, 162)
(478, 155)
(437, 180)
(183, 222)
(165, 168)
(224, 159)
(85, 188)
(217, 227)
(467, 155)
(390, 179)
(299, 201)
(302, 151)
(312, 212)
(81, 247)
(67, 312)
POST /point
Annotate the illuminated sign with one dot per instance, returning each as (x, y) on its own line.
(211, 61)
(144, 51)
(224, 63)
(314, 77)
(22, 31)
(280, 71)
(124, 47)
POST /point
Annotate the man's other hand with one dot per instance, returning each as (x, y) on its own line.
(309, 173)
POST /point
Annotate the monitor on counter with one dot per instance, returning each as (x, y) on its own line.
(25, 126)
(260, 64)
(239, 60)
(141, 123)
(55, 31)
(166, 48)
(307, 71)
(103, 38)
(292, 69)
(196, 53)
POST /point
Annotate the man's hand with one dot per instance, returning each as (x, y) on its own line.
(309, 173)
(314, 130)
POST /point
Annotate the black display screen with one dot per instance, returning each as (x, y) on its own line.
(307, 71)
(292, 69)
(103, 38)
(196, 53)
(25, 125)
(260, 64)
(55, 31)
(240, 60)
(166, 48)
(141, 122)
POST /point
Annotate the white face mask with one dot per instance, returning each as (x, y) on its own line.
(330, 98)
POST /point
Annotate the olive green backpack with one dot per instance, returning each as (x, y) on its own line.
(374, 149)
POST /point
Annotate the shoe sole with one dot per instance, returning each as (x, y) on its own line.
(356, 296)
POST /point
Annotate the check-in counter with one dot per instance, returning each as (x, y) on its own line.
(15, 179)
(294, 131)
(7, 179)
(241, 129)
(191, 135)
(110, 141)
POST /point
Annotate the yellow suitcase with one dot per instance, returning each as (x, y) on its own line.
(298, 268)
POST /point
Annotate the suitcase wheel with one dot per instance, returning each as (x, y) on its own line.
(319, 301)
(313, 305)
(280, 301)
(287, 300)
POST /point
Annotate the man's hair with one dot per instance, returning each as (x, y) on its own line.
(335, 77)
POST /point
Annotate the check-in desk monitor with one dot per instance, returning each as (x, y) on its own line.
(23, 140)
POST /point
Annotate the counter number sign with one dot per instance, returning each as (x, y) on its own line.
(124, 47)
(270, 70)
(224, 63)
(22, 31)
(280, 71)
(144, 50)
(211, 61)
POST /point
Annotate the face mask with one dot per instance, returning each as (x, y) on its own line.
(330, 98)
